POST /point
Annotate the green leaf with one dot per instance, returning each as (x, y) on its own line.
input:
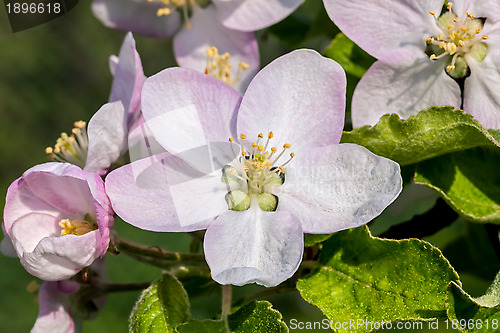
(474, 315)
(351, 57)
(378, 280)
(469, 181)
(161, 307)
(254, 317)
(312, 239)
(432, 132)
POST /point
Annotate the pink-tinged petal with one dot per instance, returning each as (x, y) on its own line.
(383, 27)
(60, 185)
(128, 79)
(107, 133)
(141, 141)
(113, 64)
(137, 16)
(403, 83)
(300, 97)
(103, 211)
(338, 187)
(185, 109)
(252, 15)
(163, 193)
(54, 314)
(254, 246)
(489, 9)
(51, 257)
(481, 91)
(190, 45)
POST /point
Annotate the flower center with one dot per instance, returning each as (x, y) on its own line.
(457, 39)
(172, 5)
(256, 175)
(77, 227)
(219, 67)
(71, 148)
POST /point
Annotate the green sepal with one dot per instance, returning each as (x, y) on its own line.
(238, 200)
(267, 202)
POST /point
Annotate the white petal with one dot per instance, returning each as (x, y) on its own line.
(254, 246)
(54, 314)
(481, 91)
(338, 187)
(107, 132)
(252, 15)
(403, 83)
(163, 193)
(383, 27)
(190, 45)
(489, 9)
(300, 97)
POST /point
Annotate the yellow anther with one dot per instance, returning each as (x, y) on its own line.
(429, 40)
(451, 26)
(245, 168)
(287, 145)
(270, 135)
(449, 5)
(461, 43)
(231, 140)
(432, 57)
(260, 147)
(243, 153)
(450, 67)
(432, 12)
(456, 19)
(80, 124)
(76, 131)
(442, 45)
(440, 37)
(254, 144)
(76, 227)
(292, 155)
(485, 37)
(163, 11)
(282, 169)
(478, 31)
(243, 136)
(243, 65)
(463, 28)
(49, 150)
(273, 149)
(260, 135)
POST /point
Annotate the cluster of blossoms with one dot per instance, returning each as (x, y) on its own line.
(253, 158)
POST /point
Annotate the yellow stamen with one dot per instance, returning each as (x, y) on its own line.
(432, 12)
(485, 37)
(76, 227)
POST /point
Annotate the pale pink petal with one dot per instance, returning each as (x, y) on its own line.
(103, 211)
(489, 9)
(383, 27)
(141, 141)
(47, 255)
(185, 109)
(128, 79)
(107, 133)
(54, 314)
(252, 15)
(163, 193)
(6, 246)
(338, 187)
(300, 97)
(254, 246)
(481, 91)
(403, 83)
(137, 16)
(190, 45)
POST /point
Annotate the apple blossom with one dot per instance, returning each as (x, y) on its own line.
(255, 210)
(203, 29)
(422, 48)
(58, 218)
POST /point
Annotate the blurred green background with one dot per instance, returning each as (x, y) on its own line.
(57, 73)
